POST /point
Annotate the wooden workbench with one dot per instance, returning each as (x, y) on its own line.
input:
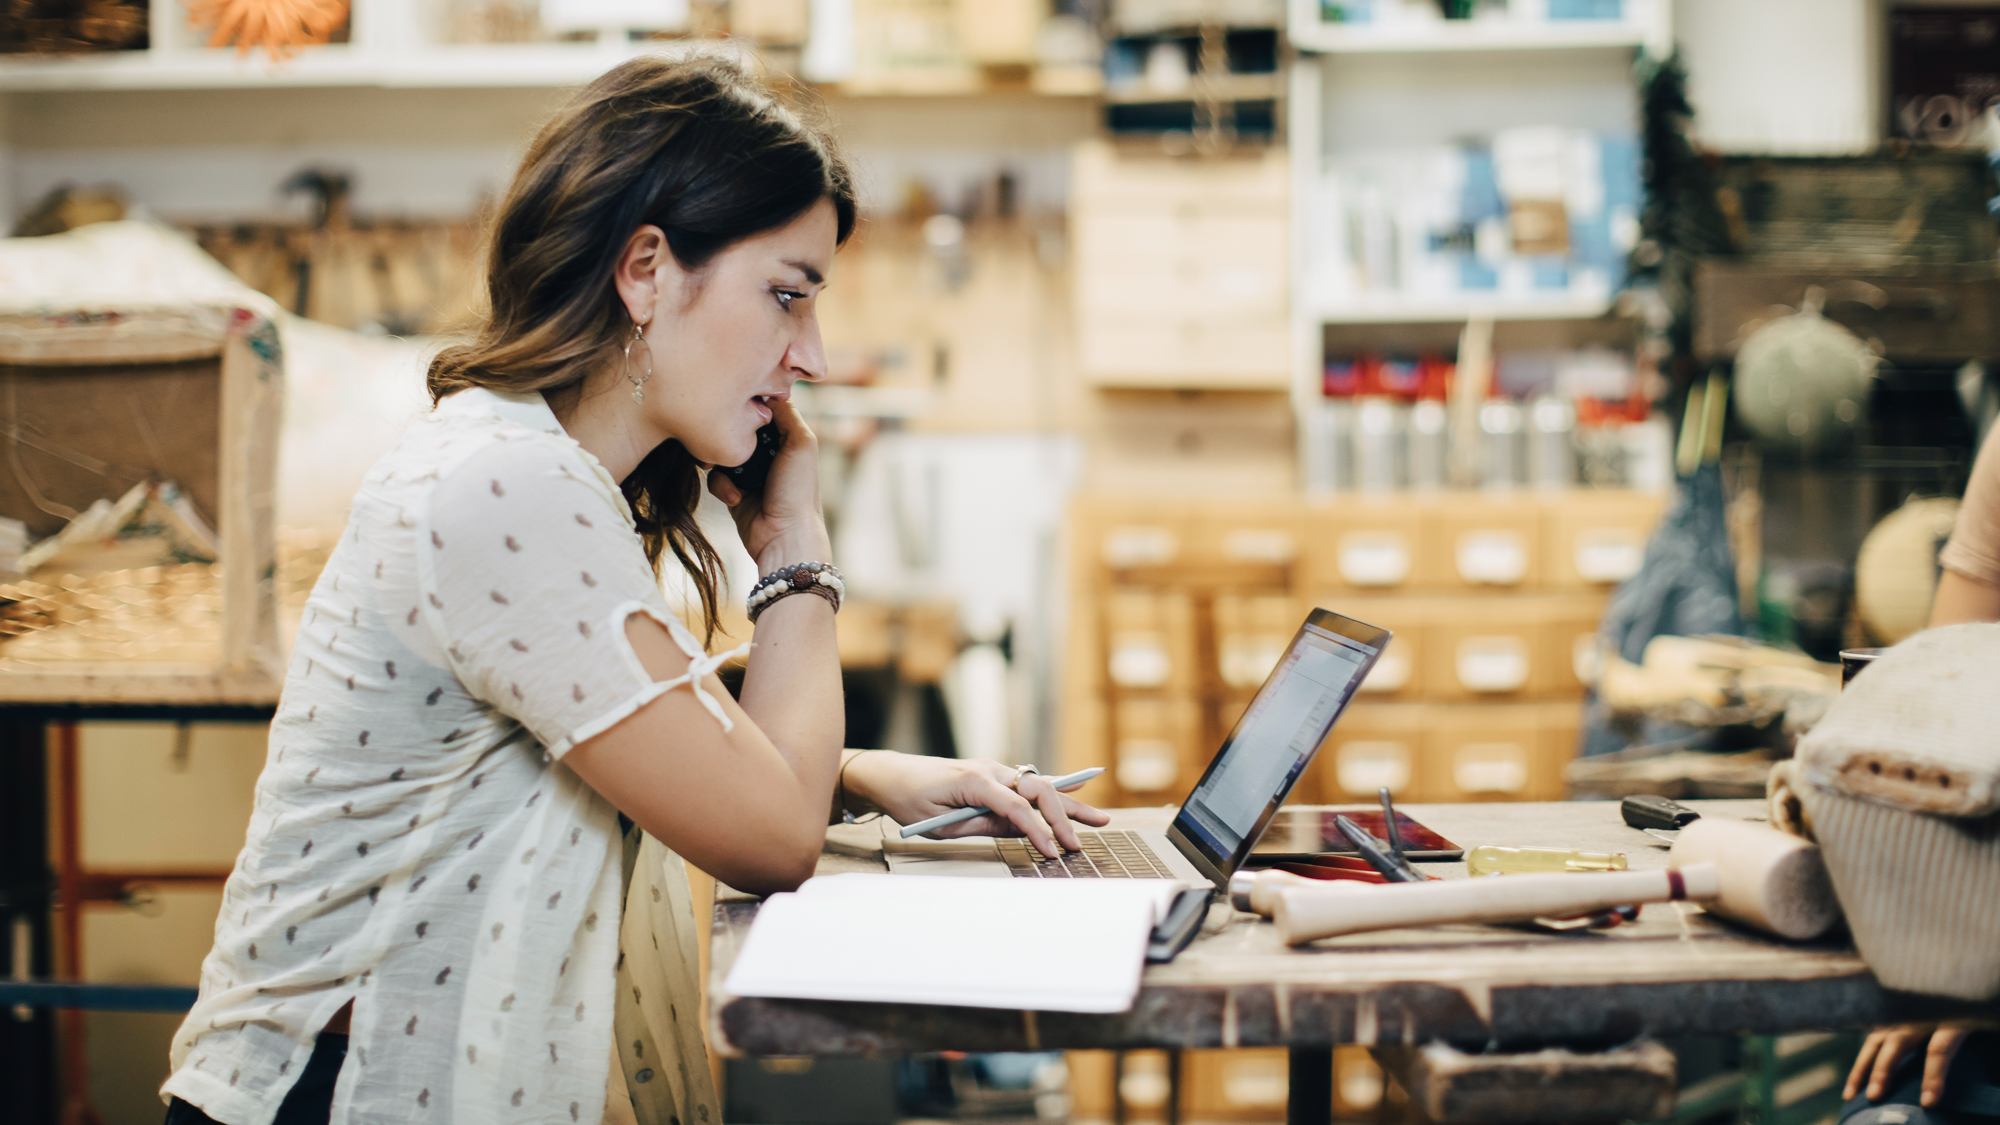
(1676, 971)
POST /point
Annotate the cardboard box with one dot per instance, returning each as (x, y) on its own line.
(1596, 539)
(1481, 542)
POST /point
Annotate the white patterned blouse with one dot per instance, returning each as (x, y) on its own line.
(416, 846)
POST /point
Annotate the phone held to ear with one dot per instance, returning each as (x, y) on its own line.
(750, 475)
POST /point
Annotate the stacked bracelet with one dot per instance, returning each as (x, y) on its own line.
(800, 578)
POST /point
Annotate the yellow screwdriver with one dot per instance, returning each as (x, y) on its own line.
(1492, 859)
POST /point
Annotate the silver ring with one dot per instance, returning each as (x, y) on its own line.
(1023, 771)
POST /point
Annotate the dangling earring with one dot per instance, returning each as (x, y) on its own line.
(638, 380)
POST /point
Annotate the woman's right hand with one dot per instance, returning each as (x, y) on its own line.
(782, 524)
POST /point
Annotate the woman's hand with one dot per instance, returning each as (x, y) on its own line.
(782, 524)
(911, 787)
(1886, 1046)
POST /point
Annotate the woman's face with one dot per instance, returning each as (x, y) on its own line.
(735, 334)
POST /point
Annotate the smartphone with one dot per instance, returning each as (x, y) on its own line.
(749, 476)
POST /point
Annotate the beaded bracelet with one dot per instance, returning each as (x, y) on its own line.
(800, 578)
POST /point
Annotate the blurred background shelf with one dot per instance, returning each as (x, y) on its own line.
(1398, 311)
(1639, 23)
(337, 64)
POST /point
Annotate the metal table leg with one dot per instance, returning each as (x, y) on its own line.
(1311, 1098)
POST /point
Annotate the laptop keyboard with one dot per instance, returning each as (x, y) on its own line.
(1105, 855)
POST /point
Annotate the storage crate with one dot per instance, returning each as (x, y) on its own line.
(95, 403)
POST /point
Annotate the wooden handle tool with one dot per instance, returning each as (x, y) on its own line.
(1256, 892)
(1311, 913)
(1770, 879)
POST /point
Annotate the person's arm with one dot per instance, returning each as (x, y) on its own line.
(913, 787)
(748, 805)
(1961, 598)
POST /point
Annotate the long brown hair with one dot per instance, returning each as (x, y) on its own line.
(695, 147)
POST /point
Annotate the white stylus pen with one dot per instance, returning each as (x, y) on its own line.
(1067, 781)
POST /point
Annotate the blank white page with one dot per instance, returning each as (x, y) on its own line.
(1028, 944)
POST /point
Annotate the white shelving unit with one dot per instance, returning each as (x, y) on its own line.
(1645, 24)
(1538, 68)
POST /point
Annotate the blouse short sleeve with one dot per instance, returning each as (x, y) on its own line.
(529, 568)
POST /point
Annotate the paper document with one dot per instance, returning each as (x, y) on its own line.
(1029, 944)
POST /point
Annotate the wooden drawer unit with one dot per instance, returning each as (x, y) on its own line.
(1104, 181)
(1256, 537)
(1569, 636)
(1559, 729)
(1247, 351)
(1180, 270)
(1126, 533)
(1481, 542)
(1188, 260)
(1251, 632)
(1155, 753)
(1483, 649)
(1363, 545)
(1595, 540)
(1400, 673)
(1149, 642)
(1246, 1084)
(1373, 745)
(1487, 754)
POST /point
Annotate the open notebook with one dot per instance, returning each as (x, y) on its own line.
(1025, 944)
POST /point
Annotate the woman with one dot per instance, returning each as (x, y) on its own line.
(487, 674)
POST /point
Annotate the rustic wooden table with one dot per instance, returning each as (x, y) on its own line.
(1676, 971)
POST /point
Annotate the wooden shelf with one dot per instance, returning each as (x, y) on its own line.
(473, 66)
(1393, 310)
(1230, 88)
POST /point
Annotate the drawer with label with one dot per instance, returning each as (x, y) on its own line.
(1481, 542)
(1495, 753)
(1362, 545)
(1249, 534)
(1149, 641)
(1372, 746)
(1152, 751)
(1491, 648)
(1251, 632)
(1597, 539)
(1399, 673)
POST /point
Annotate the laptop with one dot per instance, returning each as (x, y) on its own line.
(1246, 781)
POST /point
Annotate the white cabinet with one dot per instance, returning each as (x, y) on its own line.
(1449, 171)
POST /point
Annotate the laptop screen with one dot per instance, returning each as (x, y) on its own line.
(1277, 737)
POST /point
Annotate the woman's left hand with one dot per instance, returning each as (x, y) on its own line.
(782, 523)
(911, 787)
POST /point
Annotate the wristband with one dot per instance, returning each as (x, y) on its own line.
(800, 578)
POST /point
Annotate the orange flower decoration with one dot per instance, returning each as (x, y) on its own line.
(278, 26)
